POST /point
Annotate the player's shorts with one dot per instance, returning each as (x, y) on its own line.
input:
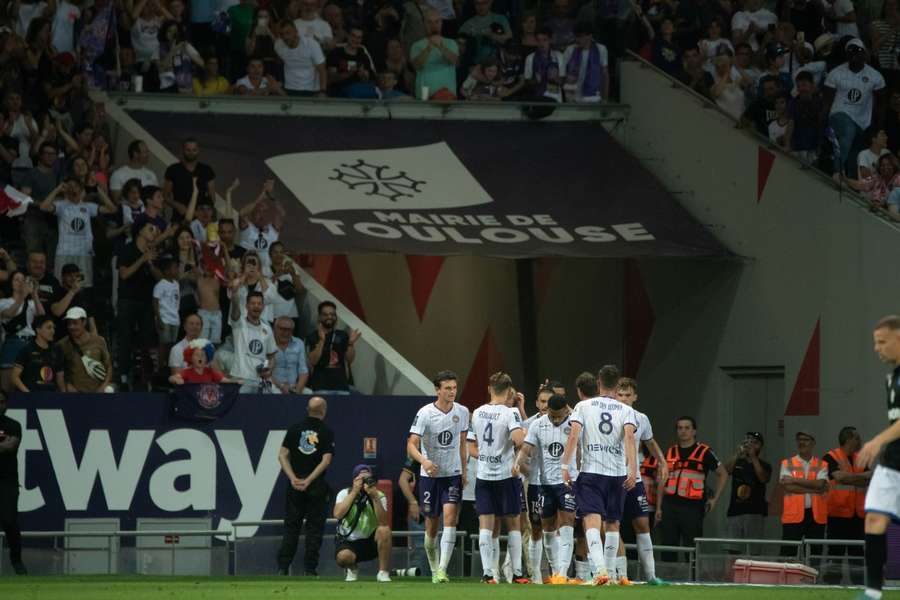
(600, 495)
(535, 502)
(502, 498)
(884, 493)
(520, 489)
(636, 505)
(435, 492)
(556, 498)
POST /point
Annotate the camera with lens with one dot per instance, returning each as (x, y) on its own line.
(370, 481)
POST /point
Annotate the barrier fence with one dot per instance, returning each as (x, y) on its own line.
(250, 547)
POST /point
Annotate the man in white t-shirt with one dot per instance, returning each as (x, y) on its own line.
(436, 442)
(260, 223)
(256, 82)
(587, 68)
(495, 434)
(135, 168)
(867, 161)
(76, 237)
(305, 73)
(844, 16)
(193, 326)
(854, 94)
(311, 25)
(748, 23)
(63, 28)
(254, 344)
(605, 428)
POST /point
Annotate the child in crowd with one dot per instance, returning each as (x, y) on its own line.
(208, 289)
(166, 299)
(198, 355)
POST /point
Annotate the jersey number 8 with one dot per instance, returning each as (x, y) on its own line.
(606, 425)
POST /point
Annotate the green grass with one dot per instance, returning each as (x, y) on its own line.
(239, 588)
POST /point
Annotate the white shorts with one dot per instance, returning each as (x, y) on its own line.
(884, 492)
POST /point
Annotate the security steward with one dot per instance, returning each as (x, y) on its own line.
(305, 454)
(805, 481)
(847, 487)
(10, 437)
(685, 494)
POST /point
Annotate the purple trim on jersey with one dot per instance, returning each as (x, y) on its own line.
(636, 505)
(441, 411)
(435, 492)
(556, 498)
(600, 495)
(499, 498)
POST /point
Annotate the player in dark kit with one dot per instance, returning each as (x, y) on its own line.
(883, 497)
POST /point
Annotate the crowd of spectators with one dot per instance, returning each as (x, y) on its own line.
(110, 281)
(389, 49)
(818, 78)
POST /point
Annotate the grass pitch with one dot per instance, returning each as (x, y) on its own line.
(236, 588)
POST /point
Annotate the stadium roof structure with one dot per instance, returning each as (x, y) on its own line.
(510, 189)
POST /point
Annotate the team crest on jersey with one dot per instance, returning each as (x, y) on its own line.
(567, 430)
(555, 449)
(309, 440)
(255, 346)
(455, 419)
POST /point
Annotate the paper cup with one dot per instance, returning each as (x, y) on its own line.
(425, 92)
(137, 83)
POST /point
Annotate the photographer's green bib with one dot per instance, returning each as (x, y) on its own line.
(368, 520)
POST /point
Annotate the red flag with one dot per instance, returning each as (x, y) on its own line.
(13, 202)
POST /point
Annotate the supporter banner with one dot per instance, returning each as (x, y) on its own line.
(507, 189)
(126, 456)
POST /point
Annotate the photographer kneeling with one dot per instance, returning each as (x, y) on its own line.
(363, 533)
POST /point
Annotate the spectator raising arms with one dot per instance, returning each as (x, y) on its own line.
(17, 312)
(260, 228)
(76, 237)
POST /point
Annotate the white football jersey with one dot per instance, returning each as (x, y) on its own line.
(642, 433)
(441, 434)
(549, 443)
(534, 474)
(490, 429)
(603, 423)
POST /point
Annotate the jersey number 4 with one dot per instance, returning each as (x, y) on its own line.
(606, 425)
(488, 435)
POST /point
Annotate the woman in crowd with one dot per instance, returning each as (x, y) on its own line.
(396, 62)
(208, 81)
(528, 33)
(879, 188)
(177, 58)
(187, 255)
(261, 42)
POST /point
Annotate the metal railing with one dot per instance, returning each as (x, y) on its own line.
(701, 559)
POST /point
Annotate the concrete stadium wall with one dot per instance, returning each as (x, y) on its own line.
(809, 256)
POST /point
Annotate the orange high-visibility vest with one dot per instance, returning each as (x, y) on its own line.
(649, 468)
(845, 501)
(687, 478)
(793, 503)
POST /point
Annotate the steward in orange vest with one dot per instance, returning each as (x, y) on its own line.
(846, 505)
(805, 481)
(685, 498)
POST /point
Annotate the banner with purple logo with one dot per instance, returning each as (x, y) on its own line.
(504, 189)
(126, 456)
